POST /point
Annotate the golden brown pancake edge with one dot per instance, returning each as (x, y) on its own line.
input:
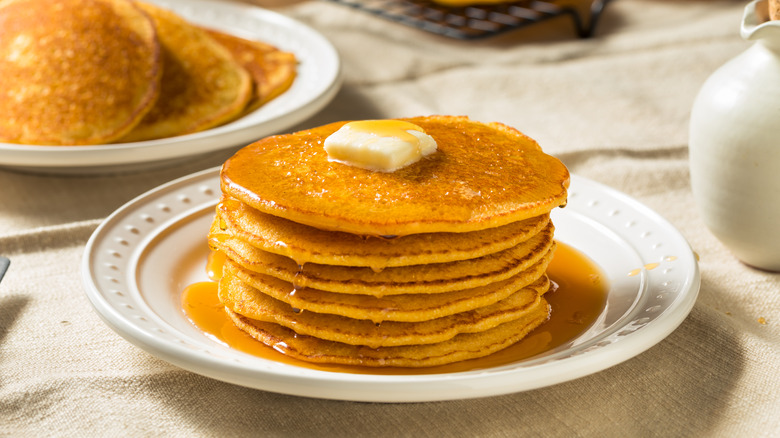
(82, 72)
(483, 175)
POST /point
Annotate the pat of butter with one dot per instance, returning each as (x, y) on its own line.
(379, 145)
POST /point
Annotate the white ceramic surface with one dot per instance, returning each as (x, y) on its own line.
(735, 146)
(318, 80)
(137, 263)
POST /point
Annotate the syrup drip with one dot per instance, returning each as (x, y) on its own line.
(214, 265)
(576, 300)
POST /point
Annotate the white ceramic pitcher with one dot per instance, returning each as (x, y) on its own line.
(735, 145)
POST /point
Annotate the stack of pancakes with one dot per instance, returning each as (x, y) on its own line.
(437, 262)
(83, 72)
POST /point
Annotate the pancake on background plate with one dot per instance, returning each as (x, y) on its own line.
(87, 72)
(440, 259)
(75, 72)
(273, 70)
(774, 9)
(202, 84)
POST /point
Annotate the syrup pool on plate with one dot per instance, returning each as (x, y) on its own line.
(578, 298)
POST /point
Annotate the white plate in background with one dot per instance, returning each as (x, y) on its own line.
(317, 82)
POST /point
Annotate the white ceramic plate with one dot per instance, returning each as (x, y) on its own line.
(140, 259)
(318, 80)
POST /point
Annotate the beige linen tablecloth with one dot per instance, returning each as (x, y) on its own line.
(614, 108)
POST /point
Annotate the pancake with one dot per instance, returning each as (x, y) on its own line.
(75, 72)
(482, 176)
(305, 244)
(272, 70)
(436, 262)
(336, 328)
(238, 282)
(461, 347)
(202, 85)
(427, 278)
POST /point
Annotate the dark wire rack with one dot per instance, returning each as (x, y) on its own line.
(478, 21)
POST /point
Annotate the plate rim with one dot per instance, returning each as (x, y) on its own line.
(293, 380)
(92, 157)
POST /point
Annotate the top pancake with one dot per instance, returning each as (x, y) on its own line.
(481, 176)
(202, 85)
(75, 72)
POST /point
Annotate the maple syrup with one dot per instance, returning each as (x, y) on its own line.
(579, 296)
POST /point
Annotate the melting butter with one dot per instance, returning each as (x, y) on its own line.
(379, 145)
